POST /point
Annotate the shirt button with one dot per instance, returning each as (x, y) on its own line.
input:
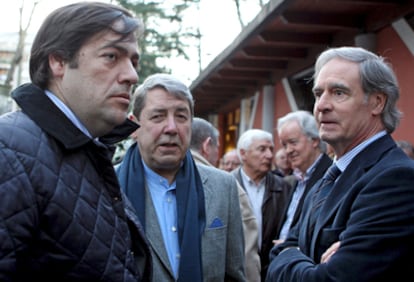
(173, 229)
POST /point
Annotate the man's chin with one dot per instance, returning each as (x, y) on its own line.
(327, 137)
(169, 163)
(169, 158)
(117, 117)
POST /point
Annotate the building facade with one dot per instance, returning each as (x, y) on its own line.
(267, 71)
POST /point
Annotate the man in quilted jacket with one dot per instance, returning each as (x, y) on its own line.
(62, 214)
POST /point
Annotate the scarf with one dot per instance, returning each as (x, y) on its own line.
(190, 198)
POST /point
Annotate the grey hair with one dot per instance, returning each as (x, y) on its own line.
(307, 123)
(228, 153)
(164, 81)
(247, 138)
(376, 77)
(201, 129)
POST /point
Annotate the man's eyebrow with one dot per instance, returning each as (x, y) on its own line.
(338, 85)
(120, 48)
(333, 85)
(182, 108)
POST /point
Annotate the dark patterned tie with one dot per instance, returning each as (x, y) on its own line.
(321, 194)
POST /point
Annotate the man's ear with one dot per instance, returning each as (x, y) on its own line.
(205, 147)
(242, 155)
(134, 135)
(57, 65)
(377, 101)
(133, 118)
(315, 142)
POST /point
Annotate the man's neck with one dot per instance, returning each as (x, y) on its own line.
(255, 176)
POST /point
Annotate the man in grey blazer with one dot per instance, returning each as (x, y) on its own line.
(191, 214)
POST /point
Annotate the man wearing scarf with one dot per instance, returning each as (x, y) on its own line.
(191, 214)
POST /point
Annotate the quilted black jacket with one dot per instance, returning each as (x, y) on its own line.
(62, 214)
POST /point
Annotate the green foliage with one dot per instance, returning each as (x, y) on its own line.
(164, 36)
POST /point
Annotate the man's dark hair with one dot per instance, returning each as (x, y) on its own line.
(68, 28)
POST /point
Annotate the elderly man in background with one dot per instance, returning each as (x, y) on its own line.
(299, 136)
(268, 193)
(205, 142)
(231, 160)
(283, 167)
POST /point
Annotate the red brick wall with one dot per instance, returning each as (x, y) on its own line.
(390, 46)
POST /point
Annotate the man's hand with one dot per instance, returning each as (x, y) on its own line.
(278, 241)
(330, 251)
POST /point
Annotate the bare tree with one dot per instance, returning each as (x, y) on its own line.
(198, 41)
(18, 55)
(239, 15)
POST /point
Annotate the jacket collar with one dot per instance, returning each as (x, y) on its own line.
(362, 162)
(32, 100)
(198, 158)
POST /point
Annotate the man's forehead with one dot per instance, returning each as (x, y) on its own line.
(171, 100)
(161, 106)
(111, 37)
(261, 142)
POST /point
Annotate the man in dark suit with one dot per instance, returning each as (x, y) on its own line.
(299, 136)
(365, 227)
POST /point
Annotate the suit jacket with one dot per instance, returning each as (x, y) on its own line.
(222, 241)
(276, 197)
(370, 210)
(323, 164)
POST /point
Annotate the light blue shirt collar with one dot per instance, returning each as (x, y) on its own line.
(68, 113)
(343, 162)
(165, 204)
(309, 171)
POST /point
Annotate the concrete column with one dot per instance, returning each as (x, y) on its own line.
(268, 113)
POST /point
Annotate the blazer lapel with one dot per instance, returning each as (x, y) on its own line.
(359, 165)
(207, 195)
(320, 169)
(324, 163)
(153, 232)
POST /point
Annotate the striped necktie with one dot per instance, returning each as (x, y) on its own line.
(321, 194)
